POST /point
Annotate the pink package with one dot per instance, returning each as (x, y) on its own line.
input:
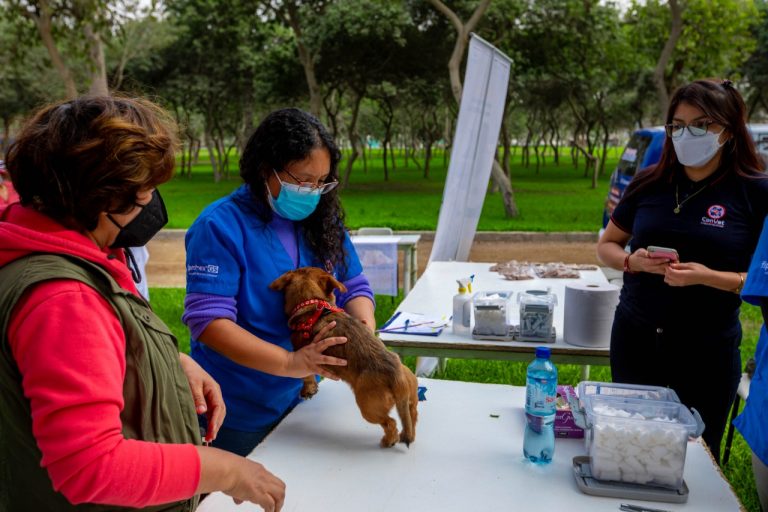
(565, 426)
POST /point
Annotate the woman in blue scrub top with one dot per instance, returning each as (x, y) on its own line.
(677, 322)
(753, 420)
(286, 215)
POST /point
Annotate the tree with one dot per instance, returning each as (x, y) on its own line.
(659, 72)
(463, 30)
(361, 41)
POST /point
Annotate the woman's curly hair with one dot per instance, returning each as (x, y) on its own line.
(283, 137)
(77, 159)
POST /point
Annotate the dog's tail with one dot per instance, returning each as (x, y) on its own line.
(406, 401)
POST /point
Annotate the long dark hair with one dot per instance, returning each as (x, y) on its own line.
(722, 103)
(283, 137)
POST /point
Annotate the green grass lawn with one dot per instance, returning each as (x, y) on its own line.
(168, 304)
(557, 198)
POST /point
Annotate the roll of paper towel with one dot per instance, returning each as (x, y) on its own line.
(588, 310)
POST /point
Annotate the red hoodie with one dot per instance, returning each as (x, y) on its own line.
(70, 349)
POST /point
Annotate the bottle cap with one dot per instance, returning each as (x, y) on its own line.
(542, 352)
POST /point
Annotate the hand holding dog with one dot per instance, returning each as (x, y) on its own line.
(308, 360)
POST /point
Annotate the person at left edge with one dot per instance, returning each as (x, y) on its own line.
(753, 420)
(286, 215)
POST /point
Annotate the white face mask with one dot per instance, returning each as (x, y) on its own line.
(694, 151)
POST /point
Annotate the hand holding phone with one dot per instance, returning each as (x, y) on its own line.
(655, 251)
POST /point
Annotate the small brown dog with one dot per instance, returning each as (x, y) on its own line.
(376, 375)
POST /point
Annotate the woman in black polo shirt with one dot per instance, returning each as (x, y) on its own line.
(677, 322)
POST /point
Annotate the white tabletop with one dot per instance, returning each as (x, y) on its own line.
(386, 239)
(463, 459)
(433, 295)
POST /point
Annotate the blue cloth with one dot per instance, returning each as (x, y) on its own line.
(753, 420)
(231, 252)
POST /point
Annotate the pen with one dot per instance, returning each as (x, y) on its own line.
(408, 324)
(636, 508)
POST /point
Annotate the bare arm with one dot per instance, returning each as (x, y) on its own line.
(362, 308)
(610, 251)
(690, 273)
(241, 478)
(232, 341)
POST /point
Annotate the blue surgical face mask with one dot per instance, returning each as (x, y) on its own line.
(291, 203)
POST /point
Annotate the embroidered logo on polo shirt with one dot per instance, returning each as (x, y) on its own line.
(714, 218)
(203, 270)
(764, 267)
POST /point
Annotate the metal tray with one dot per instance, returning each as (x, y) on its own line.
(589, 485)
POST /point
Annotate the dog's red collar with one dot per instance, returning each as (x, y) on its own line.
(305, 327)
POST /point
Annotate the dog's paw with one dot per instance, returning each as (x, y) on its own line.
(309, 390)
(405, 438)
(388, 441)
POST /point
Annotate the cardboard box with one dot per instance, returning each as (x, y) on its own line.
(565, 426)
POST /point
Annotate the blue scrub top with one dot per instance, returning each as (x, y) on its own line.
(753, 421)
(232, 253)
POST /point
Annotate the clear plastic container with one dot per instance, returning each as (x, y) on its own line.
(536, 314)
(638, 441)
(492, 312)
(589, 388)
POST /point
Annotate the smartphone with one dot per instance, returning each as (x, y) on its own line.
(655, 251)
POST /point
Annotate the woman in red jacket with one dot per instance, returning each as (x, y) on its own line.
(98, 405)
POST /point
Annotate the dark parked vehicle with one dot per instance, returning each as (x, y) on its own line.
(642, 150)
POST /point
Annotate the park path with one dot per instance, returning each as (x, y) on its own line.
(166, 263)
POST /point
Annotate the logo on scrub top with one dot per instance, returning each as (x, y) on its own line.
(714, 218)
(199, 270)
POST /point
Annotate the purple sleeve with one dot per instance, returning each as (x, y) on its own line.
(358, 286)
(200, 309)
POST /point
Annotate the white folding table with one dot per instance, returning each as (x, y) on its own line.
(467, 457)
(433, 295)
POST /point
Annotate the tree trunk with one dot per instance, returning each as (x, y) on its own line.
(307, 61)
(505, 146)
(384, 159)
(462, 40)
(507, 194)
(427, 158)
(211, 156)
(43, 22)
(98, 65)
(353, 138)
(661, 65)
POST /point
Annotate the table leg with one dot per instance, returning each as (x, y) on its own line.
(408, 265)
(585, 372)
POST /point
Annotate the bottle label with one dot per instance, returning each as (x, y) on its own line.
(541, 395)
(539, 423)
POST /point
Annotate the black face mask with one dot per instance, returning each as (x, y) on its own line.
(144, 226)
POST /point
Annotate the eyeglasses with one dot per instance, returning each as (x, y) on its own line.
(305, 187)
(696, 128)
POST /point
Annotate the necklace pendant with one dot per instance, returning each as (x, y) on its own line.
(677, 209)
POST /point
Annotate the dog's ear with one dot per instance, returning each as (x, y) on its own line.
(281, 282)
(330, 283)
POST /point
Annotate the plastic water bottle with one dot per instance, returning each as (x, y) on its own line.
(462, 307)
(540, 399)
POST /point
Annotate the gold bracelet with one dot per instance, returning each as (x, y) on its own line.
(741, 284)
